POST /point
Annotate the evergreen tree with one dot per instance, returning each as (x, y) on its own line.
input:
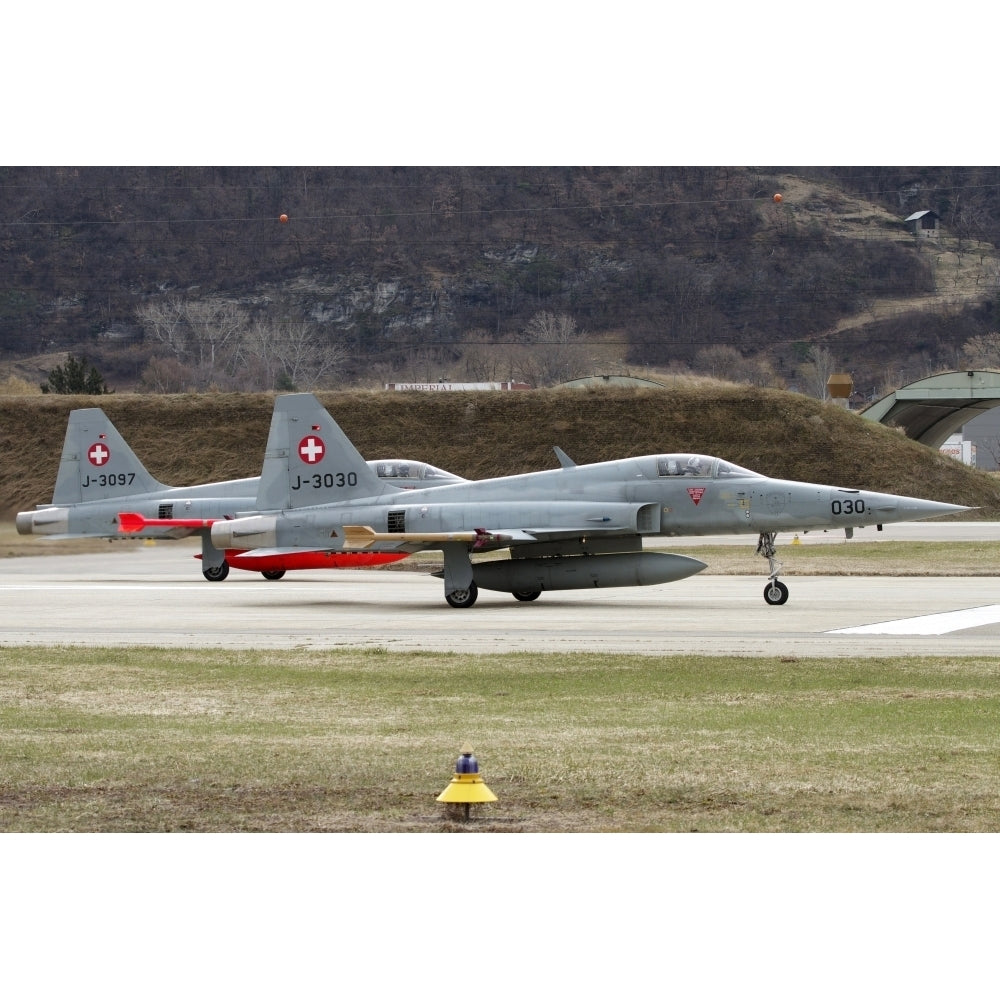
(76, 378)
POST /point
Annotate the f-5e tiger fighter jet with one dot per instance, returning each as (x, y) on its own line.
(103, 491)
(575, 527)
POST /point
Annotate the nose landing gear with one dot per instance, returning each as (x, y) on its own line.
(775, 592)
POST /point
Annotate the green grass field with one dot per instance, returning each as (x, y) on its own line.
(158, 740)
(148, 740)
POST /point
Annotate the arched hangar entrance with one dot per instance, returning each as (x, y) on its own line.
(932, 409)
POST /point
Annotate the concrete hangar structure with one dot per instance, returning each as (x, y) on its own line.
(931, 409)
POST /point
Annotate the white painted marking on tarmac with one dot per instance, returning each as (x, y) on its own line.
(939, 624)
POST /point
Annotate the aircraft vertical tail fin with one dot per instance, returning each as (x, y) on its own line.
(96, 463)
(310, 460)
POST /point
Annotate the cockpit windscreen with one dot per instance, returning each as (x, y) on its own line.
(701, 466)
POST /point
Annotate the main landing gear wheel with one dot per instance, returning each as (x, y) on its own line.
(272, 574)
(463, 598)
(527, 595)
(775, 592)
(216, 574)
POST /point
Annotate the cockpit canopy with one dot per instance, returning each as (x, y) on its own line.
(700, 466)
(412, 475)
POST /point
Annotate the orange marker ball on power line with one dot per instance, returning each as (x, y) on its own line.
(282, 218)
(777, 198)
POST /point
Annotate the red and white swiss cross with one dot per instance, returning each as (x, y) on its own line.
(312, 449)
(98, 454)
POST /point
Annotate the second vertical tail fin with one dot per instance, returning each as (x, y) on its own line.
(309, 460)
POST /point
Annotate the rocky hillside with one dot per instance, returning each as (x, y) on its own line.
(385, 274)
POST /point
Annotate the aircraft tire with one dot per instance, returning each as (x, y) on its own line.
(272, 574)
(463, 598)
(527, 595)
(216, 574)
(775, 592)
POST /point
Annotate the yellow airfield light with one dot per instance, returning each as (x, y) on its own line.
(466, 787)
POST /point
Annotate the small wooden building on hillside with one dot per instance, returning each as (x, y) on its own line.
(923, 224)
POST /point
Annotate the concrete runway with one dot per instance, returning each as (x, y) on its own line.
(155, 595)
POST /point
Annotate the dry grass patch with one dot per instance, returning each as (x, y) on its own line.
(187, 439)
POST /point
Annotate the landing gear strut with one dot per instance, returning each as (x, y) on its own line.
(460, 590)
(775, 592)
(214, 567)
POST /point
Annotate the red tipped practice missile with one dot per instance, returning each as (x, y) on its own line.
(129, 523)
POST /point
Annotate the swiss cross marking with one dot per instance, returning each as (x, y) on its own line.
(696, 493)
(98, 454)
(311, 449)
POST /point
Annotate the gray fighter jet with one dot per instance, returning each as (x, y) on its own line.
(575, 527)
(103, 491)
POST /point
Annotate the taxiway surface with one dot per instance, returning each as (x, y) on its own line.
(155, 595)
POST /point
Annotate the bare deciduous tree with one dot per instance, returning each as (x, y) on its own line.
(216, 328)
(481, 357)
(164, 321)
(166, 375)
(292, 354)
(200, 334)
(724, 361)
(815, 372)
(982, 351)
(720, 361)
(553, 350)
(212, 342)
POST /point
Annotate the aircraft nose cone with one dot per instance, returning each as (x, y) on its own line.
(931, 508)
(890, 508)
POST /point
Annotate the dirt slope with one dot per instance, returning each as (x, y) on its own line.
(200, 438)
(964, 270)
